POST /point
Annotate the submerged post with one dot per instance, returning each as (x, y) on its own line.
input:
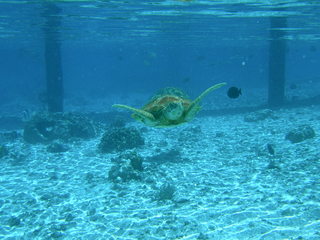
(277, 61)
(52, 51)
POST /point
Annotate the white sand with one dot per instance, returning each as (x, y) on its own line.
(224, 188)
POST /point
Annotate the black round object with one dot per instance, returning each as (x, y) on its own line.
(234, 92)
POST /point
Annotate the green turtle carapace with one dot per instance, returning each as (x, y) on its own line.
(169, 108)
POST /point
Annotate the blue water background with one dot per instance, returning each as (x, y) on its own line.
(228, 185)
(121, 47)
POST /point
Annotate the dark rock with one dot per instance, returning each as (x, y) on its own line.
(182, 200)
(126, 167)
(14, 221)
(162, 144)
(259, 115)
(56, 235)
(9, 136)
(220, 134)
(54, 198)
(166, 192)
(270, 149)
(272, 165)
(203, 236)
(136, 161)
(46, 127)
(3, 151)
(53, 176)
(89, 177)
(172, 155)
(57, 147)
(300, 134)
(120, 139)
(122, 173)
(17, 158)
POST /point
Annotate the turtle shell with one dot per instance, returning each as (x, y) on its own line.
(170, 91)
(159, 102)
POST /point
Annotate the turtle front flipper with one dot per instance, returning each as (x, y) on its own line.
(139, 114)
(194, 107)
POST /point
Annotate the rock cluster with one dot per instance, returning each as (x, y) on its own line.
(259, 115)
(300, 134)
(47, 127)
(166, 192)
(120, 139)
(126, 167)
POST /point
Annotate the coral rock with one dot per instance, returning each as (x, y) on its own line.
(120, 139)
(46, 127)
(300, 134)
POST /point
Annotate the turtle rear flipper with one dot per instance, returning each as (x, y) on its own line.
(139, 114)
(194, 106)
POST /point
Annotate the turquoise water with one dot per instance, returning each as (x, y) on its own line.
(158, 43)
(240, 169)
(191, 21)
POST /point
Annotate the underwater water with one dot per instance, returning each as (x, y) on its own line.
(156, 166)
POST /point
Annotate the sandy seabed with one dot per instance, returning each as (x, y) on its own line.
(227, 184)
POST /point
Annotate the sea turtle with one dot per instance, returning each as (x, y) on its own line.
(169, 108)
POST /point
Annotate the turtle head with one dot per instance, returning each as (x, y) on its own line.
(174, 110)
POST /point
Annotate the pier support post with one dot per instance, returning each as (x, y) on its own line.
(277, 61)
(52, 51)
